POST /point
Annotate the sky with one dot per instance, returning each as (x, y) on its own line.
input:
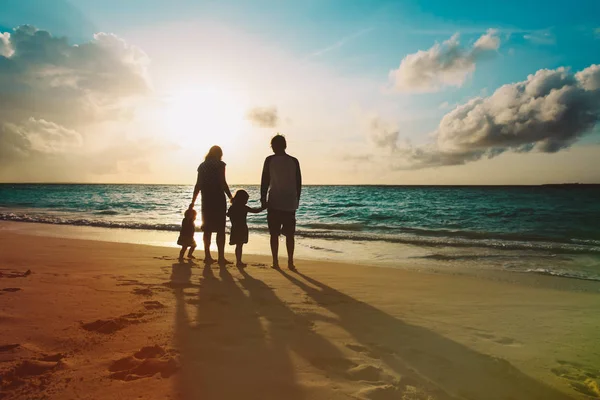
(366, 92)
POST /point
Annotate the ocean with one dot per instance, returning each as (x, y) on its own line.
(540, 229)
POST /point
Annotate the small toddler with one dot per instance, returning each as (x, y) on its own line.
(186, 235)
(238, 213)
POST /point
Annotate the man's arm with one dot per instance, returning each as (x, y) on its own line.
(264, 182)
(298, 179)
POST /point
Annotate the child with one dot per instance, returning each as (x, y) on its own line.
(186, 235)
(239, 227)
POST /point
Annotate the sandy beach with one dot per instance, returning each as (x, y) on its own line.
(96, 320)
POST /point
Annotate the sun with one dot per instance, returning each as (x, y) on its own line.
(203, 117)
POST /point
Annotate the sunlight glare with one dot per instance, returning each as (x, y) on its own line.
(200, 118)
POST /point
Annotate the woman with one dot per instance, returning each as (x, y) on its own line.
(213, 186)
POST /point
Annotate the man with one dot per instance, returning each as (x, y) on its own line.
(280, 189)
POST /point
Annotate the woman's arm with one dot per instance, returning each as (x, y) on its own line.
(226, 186)
(196, 190)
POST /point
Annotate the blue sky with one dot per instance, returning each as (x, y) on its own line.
(348, 48)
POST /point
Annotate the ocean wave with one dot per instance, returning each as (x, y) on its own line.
(107, 212)
(462, 257)
(334, 226)
(353, 232)
(563, 274)
(45, 219)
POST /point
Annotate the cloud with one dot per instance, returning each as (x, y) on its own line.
(37, 137)
(446, 64)
(263, 117)
(5, 48)
(488, 41)
(45, 77)
(589, 77)
(54, 96)
(547, 112)
(340, 43)
(383, 134)
(545, 38)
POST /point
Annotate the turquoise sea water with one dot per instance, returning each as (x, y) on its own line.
(561, 221)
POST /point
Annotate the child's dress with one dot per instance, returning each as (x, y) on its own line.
(239, 226)
(186, 235)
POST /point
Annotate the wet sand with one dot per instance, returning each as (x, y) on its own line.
(95, 320)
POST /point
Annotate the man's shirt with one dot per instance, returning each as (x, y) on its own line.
(281, 182)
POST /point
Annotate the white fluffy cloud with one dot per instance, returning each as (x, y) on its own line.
(263, 117)
(53, 94)
(589, 77)
(45, 77)
(38, 137)
(446, 64)
(547, 112)
(5, 49)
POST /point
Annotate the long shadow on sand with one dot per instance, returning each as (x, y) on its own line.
(425, 356)
(224, 354)
(236, 345)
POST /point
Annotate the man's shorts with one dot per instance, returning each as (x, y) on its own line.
(281, 222)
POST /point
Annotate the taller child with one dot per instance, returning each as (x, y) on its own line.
(280, 189)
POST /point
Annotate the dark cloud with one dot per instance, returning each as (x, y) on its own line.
(547, 112)
(446, 64)
(263, 117)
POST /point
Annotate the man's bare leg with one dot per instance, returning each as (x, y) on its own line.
(290, 245)
(275, 250)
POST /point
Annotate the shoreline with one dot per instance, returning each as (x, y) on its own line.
(334, 331)
(454, 262)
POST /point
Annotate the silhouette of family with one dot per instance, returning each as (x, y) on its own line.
(280, 189)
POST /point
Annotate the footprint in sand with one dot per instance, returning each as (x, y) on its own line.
(499, 340)
(259, 265)
(146, 362)
(357, 347)
(8, 347)
(142, 292)
(398, 390)
(333, 364)
(33, 371)
(9, 290)
(365, 372)
(153, 305)
(15, 274)
(112, 325)
(582, 379)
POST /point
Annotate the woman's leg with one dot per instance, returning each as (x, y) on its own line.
(221, 247)
(206, 238)
(182, 252)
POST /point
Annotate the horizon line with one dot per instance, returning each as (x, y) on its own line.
(314, 184)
